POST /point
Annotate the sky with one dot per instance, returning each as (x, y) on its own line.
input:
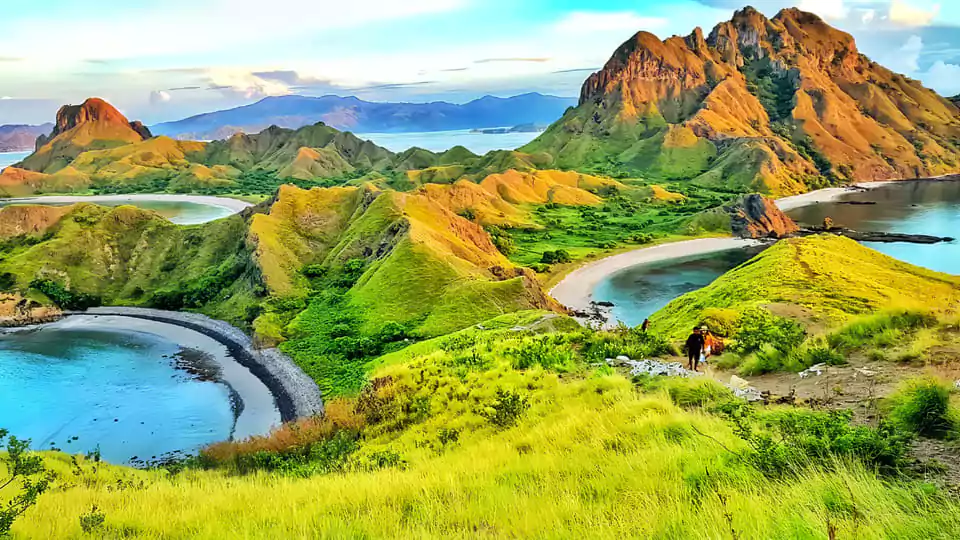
(160, 60)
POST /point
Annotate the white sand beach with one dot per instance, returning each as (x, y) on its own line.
(576, 290)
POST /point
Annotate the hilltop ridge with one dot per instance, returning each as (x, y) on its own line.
(778, 105)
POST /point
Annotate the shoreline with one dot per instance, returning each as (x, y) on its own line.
(233, 205)
(832, 194)
(575, 290)
(296, 394)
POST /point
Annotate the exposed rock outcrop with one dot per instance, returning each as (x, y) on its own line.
(762, 104)
(755, 216)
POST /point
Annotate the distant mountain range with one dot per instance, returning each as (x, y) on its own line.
(354, 114)
(20, 138)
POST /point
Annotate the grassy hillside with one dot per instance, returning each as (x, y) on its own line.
(432, 450)
(831, 277)
(823, 299)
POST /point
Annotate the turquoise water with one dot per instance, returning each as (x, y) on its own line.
(181, 213)
(438, 141)
(920, 207)
(9, 158)
(114, 384)
(641, 291)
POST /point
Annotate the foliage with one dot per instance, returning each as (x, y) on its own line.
(759, 328)
(884, 329)
(560, 256)
(26, 477)
(789, 442)
(63, 297)
(507, 409)
(92, 521)
(922, 406)
(548, 352)
(623, 341)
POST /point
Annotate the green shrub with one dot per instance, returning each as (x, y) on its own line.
(63, 297)
(758, 328)
(824, 355)
(788, 442)
(720, 322)
(549, 352)
(559, 256)
(507, 410)
(631, 342)
(692, 392)
(922, 406)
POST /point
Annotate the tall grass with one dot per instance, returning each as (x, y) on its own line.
(593, 456)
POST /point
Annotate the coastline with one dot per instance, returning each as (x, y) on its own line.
(233, 205)
(575, 290)
(296, 394)
(829, 194)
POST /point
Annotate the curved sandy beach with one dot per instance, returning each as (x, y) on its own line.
(576, 290)
(233, 205)
(296, 394)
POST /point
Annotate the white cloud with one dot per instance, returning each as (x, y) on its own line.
(944, 78)
(908, 59)
(581, 22)
(828, 9)
(246, 84)
(868, 16)
(909, 15)
(159, 96)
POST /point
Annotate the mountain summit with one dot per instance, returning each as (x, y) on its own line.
(93, 125)
(779, 105)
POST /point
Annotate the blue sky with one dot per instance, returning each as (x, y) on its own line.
(164, 59)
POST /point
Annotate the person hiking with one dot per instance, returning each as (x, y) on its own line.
(694, 348)
(645, 325)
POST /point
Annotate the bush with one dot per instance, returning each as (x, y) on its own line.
(631, 342)
(824, 355)
(548, 352)
(507, 409)
(883, 330)
(788, 442)
(63, 297)
(922, 406)
(759, 328)
(559, 256)
(695, 392)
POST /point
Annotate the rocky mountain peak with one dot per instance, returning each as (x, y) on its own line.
(93, 110)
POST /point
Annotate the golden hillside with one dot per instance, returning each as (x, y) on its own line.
(790, 99)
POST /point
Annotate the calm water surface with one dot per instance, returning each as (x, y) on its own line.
(438, 141)
(9, 158)
(136, 390)
(921, 207)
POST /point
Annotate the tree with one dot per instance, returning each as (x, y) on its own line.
(27, 479)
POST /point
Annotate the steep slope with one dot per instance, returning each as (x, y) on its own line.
(776, 105)
(422, 261)
(353, 114)
(19, 138)
(93, 125)
(830, 277)
(129, 256)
